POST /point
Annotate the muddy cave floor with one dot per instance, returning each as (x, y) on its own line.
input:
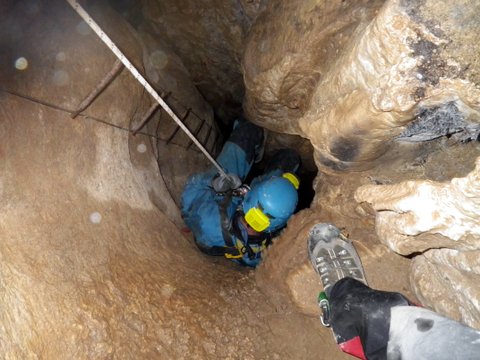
(279, 332)
(117, 286)
(284, 331)
(122, 280)
(301, 336)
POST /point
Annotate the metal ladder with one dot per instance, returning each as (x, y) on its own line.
(207, 133)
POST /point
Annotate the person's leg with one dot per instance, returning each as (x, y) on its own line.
(386, 326)
(372, 324)
(360, 317)
(418, 333)
(240, 150)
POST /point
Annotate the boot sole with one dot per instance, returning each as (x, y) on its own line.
(333, 256)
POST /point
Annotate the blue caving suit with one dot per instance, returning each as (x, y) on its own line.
(202, 206)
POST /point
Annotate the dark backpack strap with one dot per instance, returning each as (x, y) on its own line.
(215, 250)
(225, 222)
(231, 250)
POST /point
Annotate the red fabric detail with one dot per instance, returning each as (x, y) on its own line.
(186, 230)
(353, 347)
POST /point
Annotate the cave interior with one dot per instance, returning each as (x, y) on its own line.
(381, 98)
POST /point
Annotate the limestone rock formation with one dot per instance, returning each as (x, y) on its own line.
(416, 216)
(209, 36)
(449, 281)
(363, 81)
(350, 76)
(409, 213)
(93, 264)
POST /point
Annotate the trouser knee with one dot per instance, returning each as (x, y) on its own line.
(249, 137)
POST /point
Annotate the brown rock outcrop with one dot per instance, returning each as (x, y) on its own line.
(354, 78)
(92, 265)
(449, 281)
(440, 220)
(209, 36)
(414, 216)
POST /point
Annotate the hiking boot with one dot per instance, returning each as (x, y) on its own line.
(333, 256)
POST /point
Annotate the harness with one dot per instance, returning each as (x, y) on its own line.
(236, 247)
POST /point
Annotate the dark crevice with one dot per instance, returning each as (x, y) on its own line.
(306, 193)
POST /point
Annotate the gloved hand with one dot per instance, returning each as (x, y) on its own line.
(224, 183)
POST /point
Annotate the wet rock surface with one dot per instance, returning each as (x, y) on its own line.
(447, 280)
(438, 220)
(358, 83)
(209, 36)
(366, 70)
(93, 261)
(98, 274)
(414, 209)
(94, 265)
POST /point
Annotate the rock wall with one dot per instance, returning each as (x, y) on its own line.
(368, 83)
(351, 75)
(209, 36)
(93, 264)
(412, 209)
(441, 221)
